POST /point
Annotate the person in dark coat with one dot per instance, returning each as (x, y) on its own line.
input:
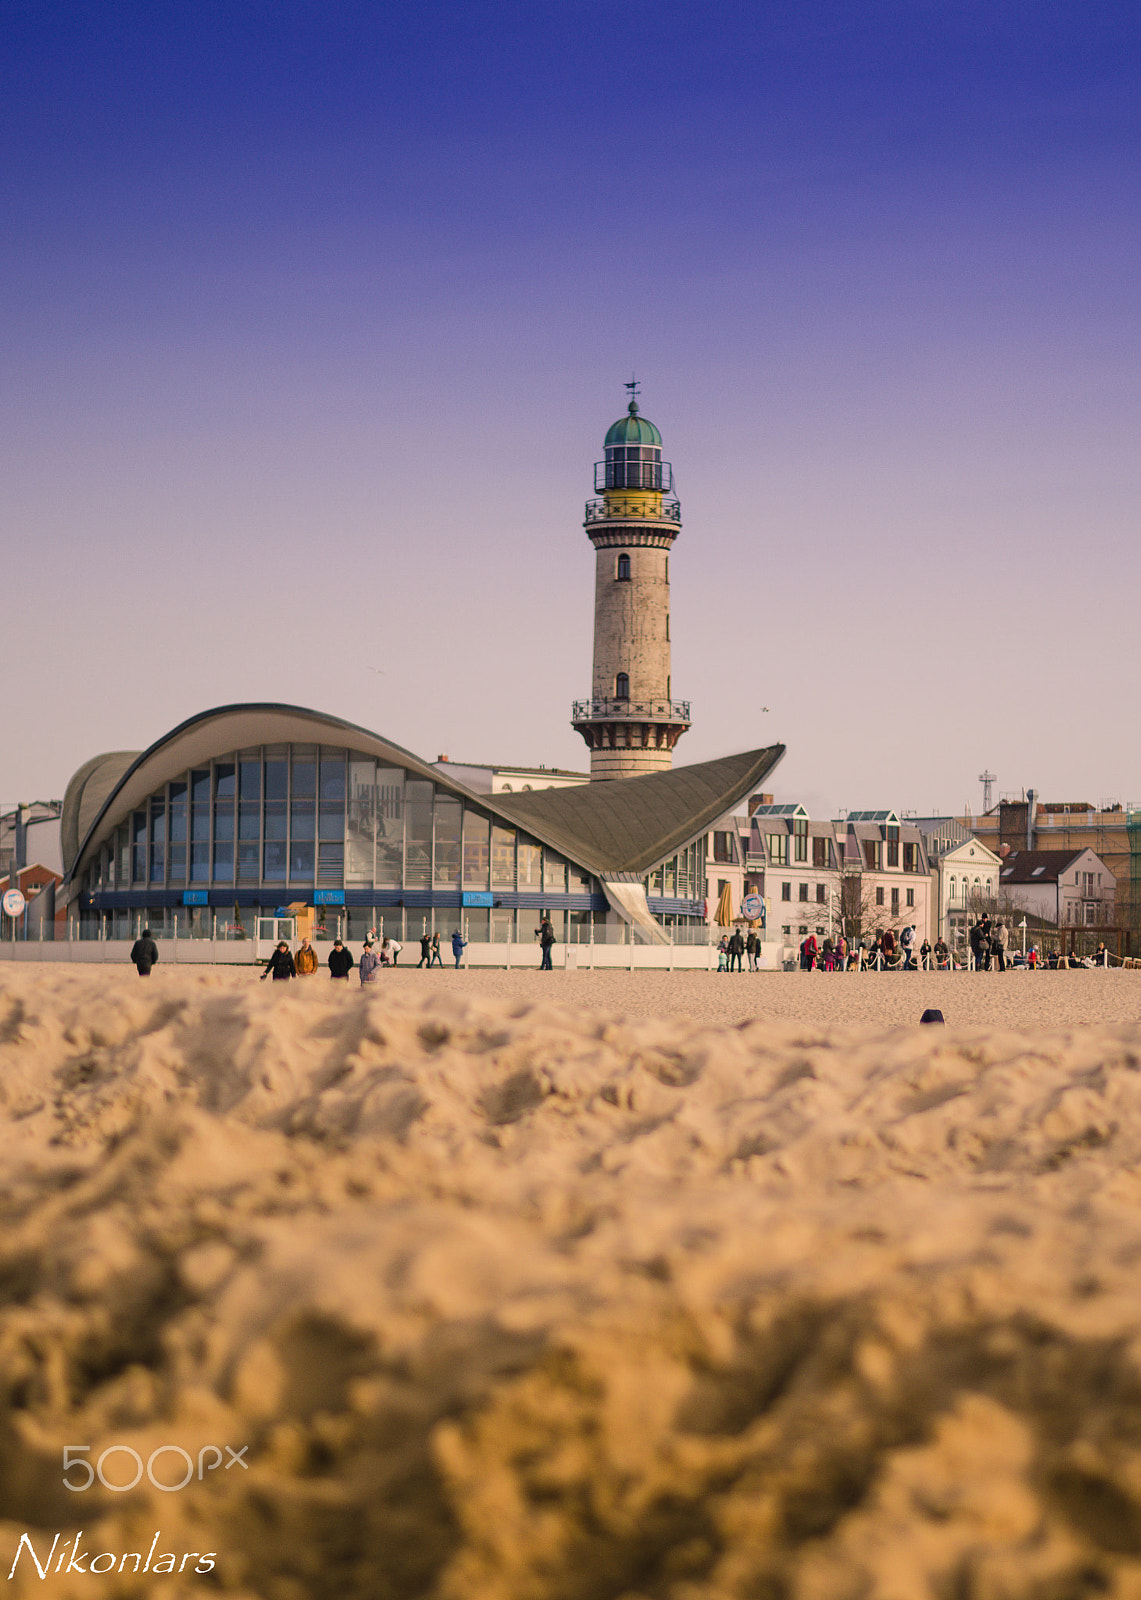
(425, 950)
(340, 961)
(144, 953)
(280, 964)
(546, 937)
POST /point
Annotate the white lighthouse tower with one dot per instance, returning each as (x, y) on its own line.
(630, 722)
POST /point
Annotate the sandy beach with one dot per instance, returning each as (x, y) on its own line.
(508, 1286)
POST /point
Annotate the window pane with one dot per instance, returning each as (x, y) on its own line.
(276, 779)
(274, 855)
(554, 872)
(139, 846)
(332, 777)
(530, 860)
(361, 821)
(249, 779)
(302, 859)
(477, 850)
(448, 810)
(330, 863)
(502, 857)
(417, 834)
(304, 773)
(390, 806)
(178, 813)
(225, 780)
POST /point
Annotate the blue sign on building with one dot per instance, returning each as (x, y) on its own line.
(328, 897)
(195, 897)
(476, 897)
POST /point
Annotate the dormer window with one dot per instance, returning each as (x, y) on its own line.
(623, 574)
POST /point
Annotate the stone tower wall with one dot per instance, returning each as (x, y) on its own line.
(631, 623)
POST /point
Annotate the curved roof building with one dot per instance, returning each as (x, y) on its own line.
(244, 809)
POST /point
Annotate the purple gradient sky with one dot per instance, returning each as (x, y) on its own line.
(314, 317)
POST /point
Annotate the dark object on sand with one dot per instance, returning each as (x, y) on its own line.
(931, 1016)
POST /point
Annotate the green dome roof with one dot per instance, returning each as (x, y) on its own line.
(632, 429)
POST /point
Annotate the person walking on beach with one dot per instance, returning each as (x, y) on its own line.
(425, 950)
(369, 964)
(340, 961)
(280, 966)
(305, 960)
(546, 940)
(437, 960)
(458, 945)
(736, 949)
(998, 946)
(144, 953)
(751, 945)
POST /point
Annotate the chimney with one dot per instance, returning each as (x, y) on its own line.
(441, 756)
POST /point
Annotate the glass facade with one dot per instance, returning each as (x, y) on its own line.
(264, 827)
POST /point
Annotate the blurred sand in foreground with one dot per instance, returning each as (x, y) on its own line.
(584, 1286)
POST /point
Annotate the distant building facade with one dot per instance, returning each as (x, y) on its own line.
(1065, 887)
(859, 874)
(964, 880)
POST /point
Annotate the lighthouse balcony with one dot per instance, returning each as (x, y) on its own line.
(622, 508)
(672, 711)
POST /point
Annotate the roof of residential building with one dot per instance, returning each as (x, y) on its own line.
(1036, 866)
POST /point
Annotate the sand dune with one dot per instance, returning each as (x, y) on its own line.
(581, 1286)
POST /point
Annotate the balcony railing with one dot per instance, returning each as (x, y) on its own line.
(631, 711)
(620, 509)
(655, 475)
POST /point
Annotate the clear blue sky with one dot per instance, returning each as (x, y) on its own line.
(314, 317)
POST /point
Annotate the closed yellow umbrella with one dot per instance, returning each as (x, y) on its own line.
(724, 913)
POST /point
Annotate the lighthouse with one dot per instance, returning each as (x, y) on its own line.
(630, 722)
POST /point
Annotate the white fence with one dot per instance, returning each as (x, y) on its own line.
(247, 952)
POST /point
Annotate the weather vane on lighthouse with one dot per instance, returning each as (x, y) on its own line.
(633, 386)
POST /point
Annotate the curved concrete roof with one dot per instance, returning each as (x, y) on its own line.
(612, 828)
(211, 733)
(85, 796)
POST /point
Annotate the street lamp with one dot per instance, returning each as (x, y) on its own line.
(1022, 925)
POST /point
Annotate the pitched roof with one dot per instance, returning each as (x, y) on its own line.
(1036, 866)
(629, 824)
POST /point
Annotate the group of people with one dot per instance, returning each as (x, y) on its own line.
(283, 964)
(988, 942)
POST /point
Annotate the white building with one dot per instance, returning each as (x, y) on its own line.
(964, 883)
(1069, 888)
(488, 778)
